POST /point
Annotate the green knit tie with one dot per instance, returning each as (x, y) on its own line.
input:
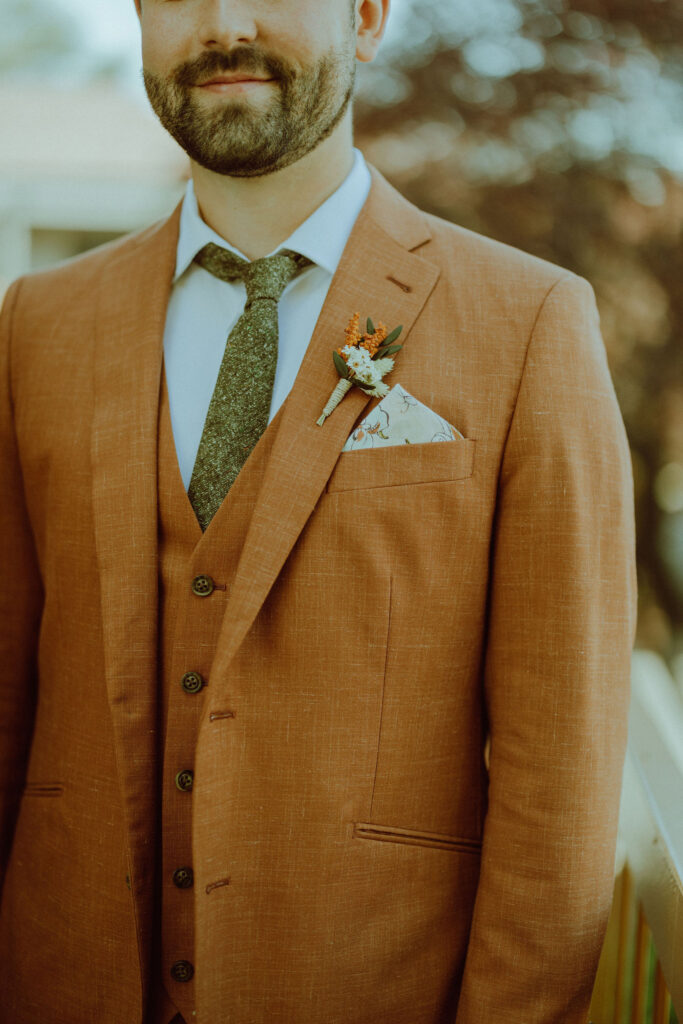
(240, 404)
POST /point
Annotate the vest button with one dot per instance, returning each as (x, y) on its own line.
(202, 586)
(183, 780)
(183, 878)
(192, 682)
(182, 970)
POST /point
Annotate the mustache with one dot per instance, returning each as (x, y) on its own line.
(241, 59)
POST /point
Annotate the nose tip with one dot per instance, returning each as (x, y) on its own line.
(220, 42)
(228, 25)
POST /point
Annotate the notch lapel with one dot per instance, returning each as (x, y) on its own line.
(132, 302)
(382, 277)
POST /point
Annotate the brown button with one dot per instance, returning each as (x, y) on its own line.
(202, 586)
(182, 970)
(183, 779)
(192, 682)
(183, 878)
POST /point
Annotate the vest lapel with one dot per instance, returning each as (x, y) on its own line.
(129, 345)
(380, 276)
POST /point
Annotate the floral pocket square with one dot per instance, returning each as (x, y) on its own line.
(400, 419)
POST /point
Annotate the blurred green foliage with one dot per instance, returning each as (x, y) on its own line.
(557, 127)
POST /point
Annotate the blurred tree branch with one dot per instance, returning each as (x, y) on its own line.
(556, 126)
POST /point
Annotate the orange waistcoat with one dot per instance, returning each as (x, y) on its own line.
(189, 628)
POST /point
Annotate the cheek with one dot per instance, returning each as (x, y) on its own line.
(302, 51)
(165, 40)
(307, 30)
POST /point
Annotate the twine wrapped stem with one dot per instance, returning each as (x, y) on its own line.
(340, 390)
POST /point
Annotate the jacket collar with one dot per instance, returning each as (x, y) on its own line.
(321, 237)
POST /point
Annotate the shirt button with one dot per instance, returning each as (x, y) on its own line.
(183, 878)
(183, 780)
(192, 682)
(202, 586)
(182, 970)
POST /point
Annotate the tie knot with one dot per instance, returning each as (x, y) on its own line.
(265, 278)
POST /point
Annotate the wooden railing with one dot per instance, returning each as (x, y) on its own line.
(630, 987)
(640, 975)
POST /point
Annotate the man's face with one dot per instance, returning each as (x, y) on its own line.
(304, 48)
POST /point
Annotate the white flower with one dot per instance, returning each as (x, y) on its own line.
(365, 368)
(381, 366)
(358, 359)
(381, 389)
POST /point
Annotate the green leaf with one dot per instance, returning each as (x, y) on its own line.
(394, 335)
(386, 350)
(370, 327)
(364, 386)
(341, 365)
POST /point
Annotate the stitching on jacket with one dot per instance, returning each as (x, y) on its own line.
(216, 885)
(43, 789)
(401, 285)
(221, 714)
(13, 297)
(560, 280)
(381, 710)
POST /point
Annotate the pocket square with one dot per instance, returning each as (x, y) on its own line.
(400, 419)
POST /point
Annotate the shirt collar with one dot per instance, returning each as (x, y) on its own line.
(322, 237)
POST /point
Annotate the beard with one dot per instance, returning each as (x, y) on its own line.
(248, 139)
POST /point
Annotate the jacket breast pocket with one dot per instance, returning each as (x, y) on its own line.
(396, 464)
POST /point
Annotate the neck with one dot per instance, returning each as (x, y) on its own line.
(258, 214)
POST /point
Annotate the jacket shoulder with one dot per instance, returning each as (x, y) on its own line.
(500, 264)
(78, 273)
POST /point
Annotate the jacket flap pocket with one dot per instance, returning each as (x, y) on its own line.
(43, 789)
(414, 837)
(390, 465)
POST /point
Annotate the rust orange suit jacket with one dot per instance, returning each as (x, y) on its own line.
(391, 609)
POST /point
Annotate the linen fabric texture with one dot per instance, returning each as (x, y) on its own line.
(384, 612)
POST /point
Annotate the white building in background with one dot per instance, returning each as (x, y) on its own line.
(78, 168)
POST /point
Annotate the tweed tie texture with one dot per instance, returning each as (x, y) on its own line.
(240, 404)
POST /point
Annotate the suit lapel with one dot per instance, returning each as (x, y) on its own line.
(129, 346)
(381, 277)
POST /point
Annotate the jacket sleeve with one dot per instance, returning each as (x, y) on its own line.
(21, 599)
(561, 625)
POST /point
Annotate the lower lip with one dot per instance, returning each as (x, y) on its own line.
(234, 88)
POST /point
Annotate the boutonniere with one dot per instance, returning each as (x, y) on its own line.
(362, 361)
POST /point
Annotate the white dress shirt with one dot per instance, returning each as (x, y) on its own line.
(202, 309)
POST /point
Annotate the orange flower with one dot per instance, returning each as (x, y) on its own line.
(372, 342)
(353, 335)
